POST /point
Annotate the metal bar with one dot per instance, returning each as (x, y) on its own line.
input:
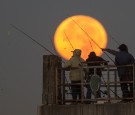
(115, 80)
(56, 86)
(108, 87)
(133, 82)
(63, 79)
(82, 90)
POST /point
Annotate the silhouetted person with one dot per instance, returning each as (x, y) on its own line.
(74, 64)
(122, 58)
(94, 60)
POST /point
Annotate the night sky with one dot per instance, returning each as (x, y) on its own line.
(21, 60)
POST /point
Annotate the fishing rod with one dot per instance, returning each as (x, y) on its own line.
(31, 38)
(72, 47)
(69, 40)
(52, 44)
(91, 45)
(34, 41)
(91, 39)
(110, 88)
(54, 48)
(56, 54)
(113, 39)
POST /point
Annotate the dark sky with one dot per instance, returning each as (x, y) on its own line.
(21, 59)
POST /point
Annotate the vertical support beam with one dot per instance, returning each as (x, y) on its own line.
(108, 83)
(63, 86)
(115, 84)
(40, 110)
(82, 85)
(134, 82)
(51, 78)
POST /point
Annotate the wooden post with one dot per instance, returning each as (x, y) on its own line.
(134, 82)
(108, 84)
(115, 84)
(51, 78)
(40, 110)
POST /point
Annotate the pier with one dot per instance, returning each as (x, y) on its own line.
(57, 100)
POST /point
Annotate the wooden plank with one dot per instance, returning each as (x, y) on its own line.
(90, 109)
(50, 91)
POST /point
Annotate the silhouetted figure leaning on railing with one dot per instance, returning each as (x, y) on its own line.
(94, 73)
(74, 64)
(123, 58)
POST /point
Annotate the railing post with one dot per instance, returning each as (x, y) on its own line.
(82, 86)
(56, 86)
(108, 83)
(95, 93)
(115, 79)
(50, 64)
(63, 86)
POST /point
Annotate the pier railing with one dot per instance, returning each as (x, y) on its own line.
(110, 85)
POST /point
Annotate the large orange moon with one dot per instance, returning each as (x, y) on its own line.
(80, 32)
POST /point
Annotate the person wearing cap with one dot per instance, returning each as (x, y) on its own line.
(125, 73)
(94, 60)
(75, 64)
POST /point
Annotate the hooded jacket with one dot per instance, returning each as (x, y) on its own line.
(75, 64)
(122, 58)
(96, 61)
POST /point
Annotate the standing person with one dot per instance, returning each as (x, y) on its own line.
(94, 60)
(122, 58)
(75, 64)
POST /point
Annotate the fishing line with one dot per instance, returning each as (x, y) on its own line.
(91, 39)
(69, 41)
(35, 42)
(73, 48)
(31, 38)
(90, 44)
(52, 44)
(113, 39)
(109, 87)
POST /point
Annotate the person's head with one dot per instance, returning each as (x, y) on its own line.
(92, 54)
(123, 47)
(77, 52)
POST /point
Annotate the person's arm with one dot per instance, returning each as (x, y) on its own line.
(67, 64)
(113, 52)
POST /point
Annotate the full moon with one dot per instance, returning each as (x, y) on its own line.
(80, 32)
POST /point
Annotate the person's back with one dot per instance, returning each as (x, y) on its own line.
(75, 64)
(122, 60)
(94, 60)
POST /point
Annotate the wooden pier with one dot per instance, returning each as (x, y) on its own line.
(89, 109)
(52, 93)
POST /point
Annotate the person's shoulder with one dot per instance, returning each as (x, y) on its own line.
(89, 59)
(100, 58)
(130, 55)
(82, 59)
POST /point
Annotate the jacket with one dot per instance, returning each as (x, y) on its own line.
(75, 64)
(96, 61)
(124, 58)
